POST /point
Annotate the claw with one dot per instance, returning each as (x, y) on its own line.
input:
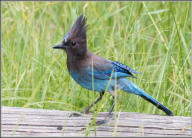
(101, 122)
(110, 115)
(74, 115)
(86, 111)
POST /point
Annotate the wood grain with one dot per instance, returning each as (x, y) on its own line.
(17, 121)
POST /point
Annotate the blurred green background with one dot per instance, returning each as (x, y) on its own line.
(150, 37)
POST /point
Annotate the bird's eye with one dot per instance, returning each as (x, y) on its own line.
(73, 43)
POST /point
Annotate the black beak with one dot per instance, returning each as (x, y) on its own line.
(59, 46)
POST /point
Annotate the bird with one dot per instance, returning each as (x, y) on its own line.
(97, 73)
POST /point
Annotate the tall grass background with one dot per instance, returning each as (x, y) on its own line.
(150, 37)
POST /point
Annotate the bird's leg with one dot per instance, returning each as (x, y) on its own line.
(110, 111)
(100, 122)
(86, 111)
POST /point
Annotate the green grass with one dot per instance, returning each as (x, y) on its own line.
(150, 37)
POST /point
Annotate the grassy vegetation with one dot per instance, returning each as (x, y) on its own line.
(150, 37)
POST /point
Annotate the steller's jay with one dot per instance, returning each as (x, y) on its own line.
(84, 66)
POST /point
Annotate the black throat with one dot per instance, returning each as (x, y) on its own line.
(75, 60)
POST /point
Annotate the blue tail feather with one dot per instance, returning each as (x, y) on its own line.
(156, 103)
(130, 87)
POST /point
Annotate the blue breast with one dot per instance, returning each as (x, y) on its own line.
(86, 81)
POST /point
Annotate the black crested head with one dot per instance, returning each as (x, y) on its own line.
(79, 28)
(75, 42)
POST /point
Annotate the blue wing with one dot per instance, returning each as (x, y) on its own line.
(111, 69)
(118, 67)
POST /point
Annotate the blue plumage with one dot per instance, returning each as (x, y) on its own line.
(123, 68)
(90, 70)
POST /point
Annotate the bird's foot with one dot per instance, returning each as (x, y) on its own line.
(101, 122)
(110, 115)
(104, 121)
(86, 111)
(75, 115)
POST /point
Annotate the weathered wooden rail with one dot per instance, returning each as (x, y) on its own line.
(24, 122)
